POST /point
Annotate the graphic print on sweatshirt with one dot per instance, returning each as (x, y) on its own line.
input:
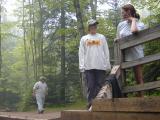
(93, 42)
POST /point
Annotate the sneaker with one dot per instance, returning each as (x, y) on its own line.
(42, 111)
(39, 112)
(90, 109)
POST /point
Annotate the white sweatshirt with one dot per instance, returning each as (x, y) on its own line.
(94, 53)
(40, 88)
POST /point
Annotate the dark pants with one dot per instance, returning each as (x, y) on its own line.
(95, 80)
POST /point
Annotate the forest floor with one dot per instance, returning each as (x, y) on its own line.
(31, 115)
(52, 112)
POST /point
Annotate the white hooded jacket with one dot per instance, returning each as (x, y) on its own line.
(94, 53)
(40, 88)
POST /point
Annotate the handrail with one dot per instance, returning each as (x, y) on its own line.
(140, 38)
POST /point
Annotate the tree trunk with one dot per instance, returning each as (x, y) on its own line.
(34, 42)
(82, 33)
(41, 34)
(63, 82)
(25, 47)
(93, 4)
(79, 17)
(0, 39)
(31, 38)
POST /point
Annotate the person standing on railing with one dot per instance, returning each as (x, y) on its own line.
(131, 25)
(94, 60)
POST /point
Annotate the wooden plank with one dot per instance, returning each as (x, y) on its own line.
(76, 115)
(124, 116)
(116, 71)
(144, 60)
(117, 53)
(142, 33)
(81, 115)
(141, 87)
(123, 71)
(146, 105)
(140, 38)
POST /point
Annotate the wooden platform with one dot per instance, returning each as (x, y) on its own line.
(29, 116)
(119, 109)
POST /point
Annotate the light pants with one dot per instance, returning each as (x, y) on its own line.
(40, 102)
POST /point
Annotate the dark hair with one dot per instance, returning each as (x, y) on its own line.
(129, 7)
(91, 26)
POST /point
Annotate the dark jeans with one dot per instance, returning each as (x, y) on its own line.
(94, 80)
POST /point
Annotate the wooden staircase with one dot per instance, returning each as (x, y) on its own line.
(118, 109)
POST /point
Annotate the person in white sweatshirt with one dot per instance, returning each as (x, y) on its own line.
(94, 59)
(40, 90)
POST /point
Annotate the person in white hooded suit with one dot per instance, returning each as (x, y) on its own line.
(40, 90)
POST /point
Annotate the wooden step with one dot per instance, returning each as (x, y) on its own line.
(86, 115)
(76, 115)
(118, 109)
(146, 104)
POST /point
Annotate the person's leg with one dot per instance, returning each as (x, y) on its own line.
(139, 77)
(39, 103)
(43, 101)
(90, 80)
(100, 80)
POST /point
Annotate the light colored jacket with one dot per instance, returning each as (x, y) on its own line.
(94, 53)
(40, 88)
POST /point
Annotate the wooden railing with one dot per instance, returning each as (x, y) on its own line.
(121, 45)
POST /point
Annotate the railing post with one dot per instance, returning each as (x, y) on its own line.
(117, 59)
(123, 71)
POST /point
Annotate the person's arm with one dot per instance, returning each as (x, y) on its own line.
(106, 53)
(34, 89)
(34, 93)
(81, 56)
(134, 28)
(46, 90)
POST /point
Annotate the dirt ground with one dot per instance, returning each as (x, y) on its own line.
(31, 115)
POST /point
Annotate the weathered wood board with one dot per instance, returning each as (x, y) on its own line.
(145, 104)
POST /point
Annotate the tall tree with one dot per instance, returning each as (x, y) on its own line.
(34, 41)
(63, 24)
(32, 37)
(82, 33)
(41, 34)
(79, 17)
(25, 45)
(0, 39)
(93, 4)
